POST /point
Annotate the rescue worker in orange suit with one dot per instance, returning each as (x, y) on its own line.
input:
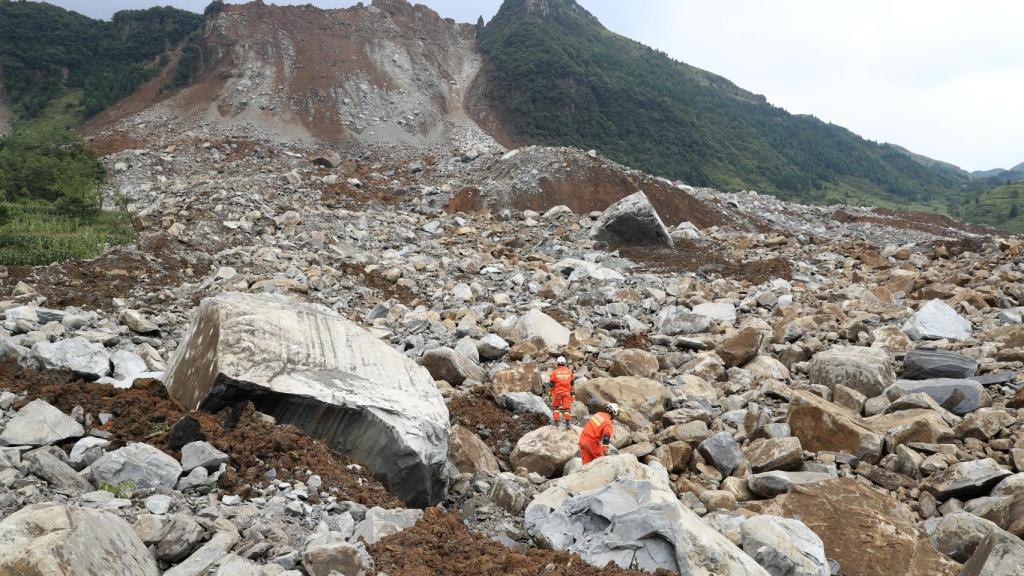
(562, 393)
(597, 434)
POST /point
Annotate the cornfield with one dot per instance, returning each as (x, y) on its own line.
(38, 237)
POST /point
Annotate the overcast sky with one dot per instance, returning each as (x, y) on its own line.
(944, 78)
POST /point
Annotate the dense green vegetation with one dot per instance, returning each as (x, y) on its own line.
(562, 78)
(50, 199)
(998, 206)
(47, 52)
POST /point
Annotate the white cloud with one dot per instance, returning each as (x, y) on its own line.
(944, 78)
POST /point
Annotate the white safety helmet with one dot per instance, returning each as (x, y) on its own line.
(561, 360)
(612, 408)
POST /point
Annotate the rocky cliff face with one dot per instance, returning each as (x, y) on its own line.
(388, 74)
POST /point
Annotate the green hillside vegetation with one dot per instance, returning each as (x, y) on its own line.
(1001, 207)
(562, 78)
(47, 52)
(50, 198)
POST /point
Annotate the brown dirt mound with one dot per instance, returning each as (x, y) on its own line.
(476, 410)
(707, 258)
(441, 544)
(144, 413)
(120, 272)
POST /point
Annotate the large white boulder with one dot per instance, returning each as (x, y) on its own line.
(936, 320)
(536, 324)
(38, 423)
(75, 354)
(630, 523)
(141, 465)
(56, 540)
(307, 366)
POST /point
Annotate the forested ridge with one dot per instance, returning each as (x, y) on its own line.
(47, 52)
(560, 77)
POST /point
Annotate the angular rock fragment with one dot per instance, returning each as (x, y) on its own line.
(632, 221)
(77, 354)
(306, 366)
(923, 364)
(57, 540)
(866, 531)
(821, 425)
(633, 525)
(936, 320)
(965, 480)
(956, 395)
(866, 370)
(39, 424)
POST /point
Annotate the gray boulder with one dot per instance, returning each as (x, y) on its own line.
(139, 464)
(11, 352)
(380, 523)
(722, 452)
(57, 474)
(866, 370)
(965, 480)
(922, 364)
(452, 366)
(999, 554)
(201, 454)
(76, 354)
(225, 536)
(329, 554)
(492, 347)
(307, 366)
(959, 396)
(523, 402)
(771, 484)
(936, 320)
(38, 424)
(675, 320)
(56, 540)
(784, 547)
(958, 535)
(632, 221)
(632, 525)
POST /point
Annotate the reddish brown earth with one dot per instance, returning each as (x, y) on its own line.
(929, 222)
(121, 272)
(440, 544)
(707, 257)
(473, 410)
(144, 413)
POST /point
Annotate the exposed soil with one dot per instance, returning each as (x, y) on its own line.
(480, 413)
(144, 413)
(120, 272)
(440, 544)
(706, 258)
(932, 223)
(375, 279)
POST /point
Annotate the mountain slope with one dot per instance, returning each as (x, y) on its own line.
(1012, 175)
(47, 52)
(558, 77)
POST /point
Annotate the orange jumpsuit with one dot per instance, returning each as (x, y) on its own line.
(561, 393)
(596, 436)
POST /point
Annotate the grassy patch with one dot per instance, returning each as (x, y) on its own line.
(34, 236)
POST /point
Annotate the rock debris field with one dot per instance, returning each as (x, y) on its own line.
(318, 362)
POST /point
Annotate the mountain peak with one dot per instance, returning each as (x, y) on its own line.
(546, 9)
